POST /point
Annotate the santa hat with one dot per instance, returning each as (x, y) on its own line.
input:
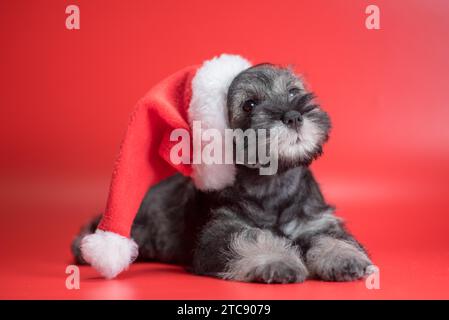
(195, 93)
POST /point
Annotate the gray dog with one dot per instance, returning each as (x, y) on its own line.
(264, 228)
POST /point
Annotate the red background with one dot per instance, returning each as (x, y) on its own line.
(66, 96)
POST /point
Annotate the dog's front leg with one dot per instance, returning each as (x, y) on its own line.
(232, 250)
(331, 253)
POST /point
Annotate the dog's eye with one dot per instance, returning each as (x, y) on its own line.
(293, 92)
(249, 105)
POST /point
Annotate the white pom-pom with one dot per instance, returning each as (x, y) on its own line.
(108, 252)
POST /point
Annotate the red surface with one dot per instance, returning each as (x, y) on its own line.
(66, 97)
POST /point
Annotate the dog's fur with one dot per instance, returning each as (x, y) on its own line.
(264, 228)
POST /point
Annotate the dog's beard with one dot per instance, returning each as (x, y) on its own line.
(296, 147)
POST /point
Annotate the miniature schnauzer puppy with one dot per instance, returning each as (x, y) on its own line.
(264, 228)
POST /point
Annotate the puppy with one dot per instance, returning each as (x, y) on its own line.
(264, 228)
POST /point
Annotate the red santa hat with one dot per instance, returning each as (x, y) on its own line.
(196, 93)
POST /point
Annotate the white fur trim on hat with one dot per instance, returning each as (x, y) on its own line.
(208, 104)
(109, 253)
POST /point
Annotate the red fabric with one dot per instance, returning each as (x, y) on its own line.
(143, 159)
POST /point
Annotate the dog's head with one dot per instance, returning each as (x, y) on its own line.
(275, 99)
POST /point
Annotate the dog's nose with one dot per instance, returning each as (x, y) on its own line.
(292, 119)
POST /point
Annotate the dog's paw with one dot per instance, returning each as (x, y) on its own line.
(260, 256)
(336, 260)
(347, 268)
(275, 271)
(278, 272)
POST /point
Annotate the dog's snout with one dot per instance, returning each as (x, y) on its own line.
(292, 119)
